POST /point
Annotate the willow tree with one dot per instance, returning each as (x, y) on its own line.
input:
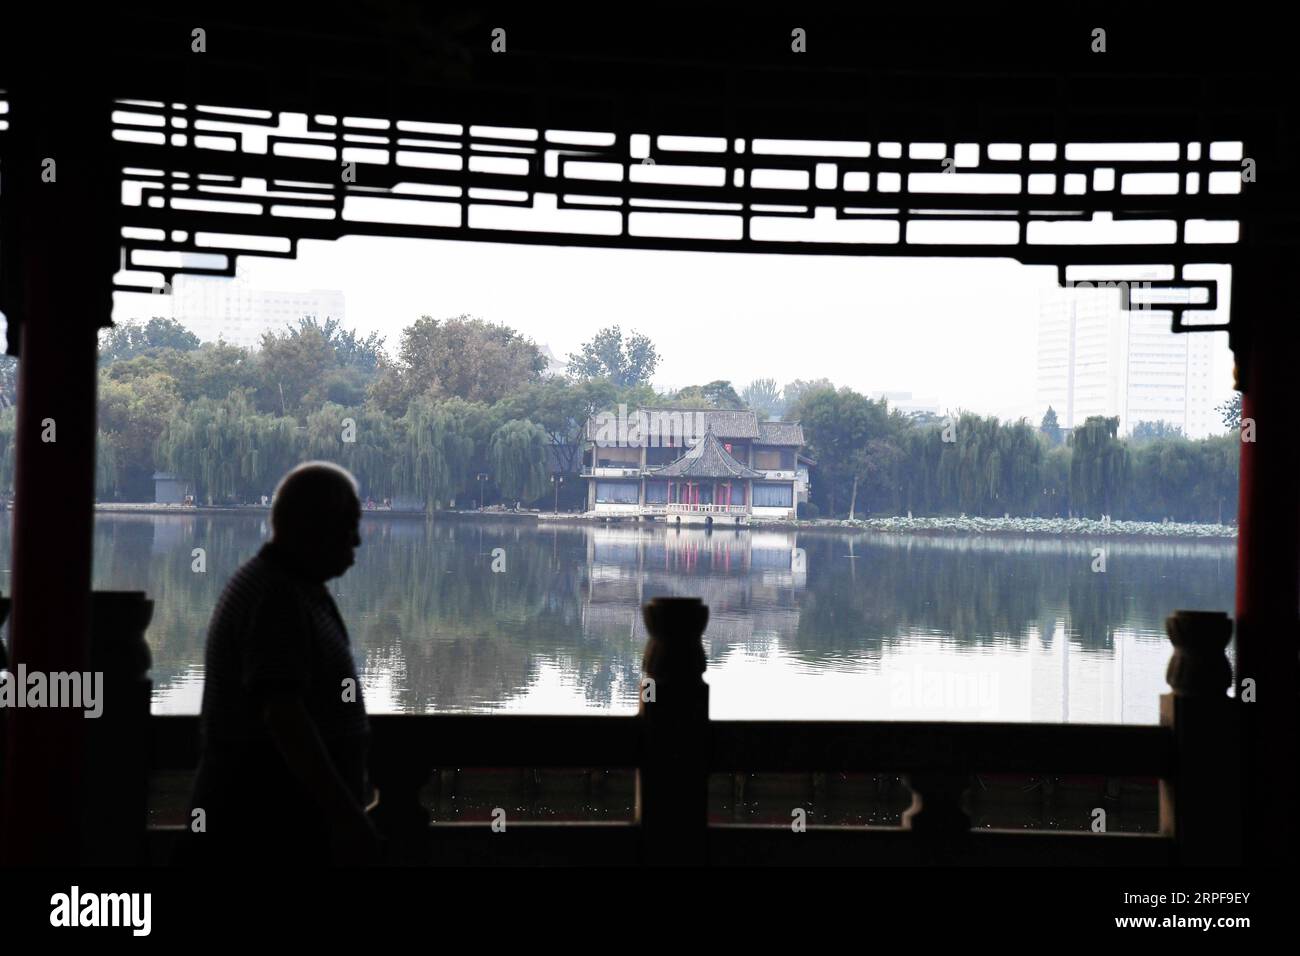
(978, 463)
(1054, 477)
(107, 459)
(470, 428)
(8, 444)
(107, 482)
(181, 442)
(273, 445)
(1022, 462)
(924, 489)
(227, 448)
(362, 440)
(518, 456)
(423, 468)
(1099, 466)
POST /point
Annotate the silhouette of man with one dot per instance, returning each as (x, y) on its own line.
(283, 771)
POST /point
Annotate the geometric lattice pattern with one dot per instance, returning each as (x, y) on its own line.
(214, 183)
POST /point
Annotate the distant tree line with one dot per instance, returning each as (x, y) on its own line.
(465, 411)
(460, 399)
(877, 460)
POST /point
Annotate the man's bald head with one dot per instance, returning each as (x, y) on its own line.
(315, 517)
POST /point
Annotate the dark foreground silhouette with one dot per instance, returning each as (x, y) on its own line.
(282, 777)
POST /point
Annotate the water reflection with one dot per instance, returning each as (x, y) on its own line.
(803, 625)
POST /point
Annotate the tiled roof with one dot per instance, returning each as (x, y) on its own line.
(780, 433)
(726, 423)
(723, 422)
(708, 459)
(667, 426)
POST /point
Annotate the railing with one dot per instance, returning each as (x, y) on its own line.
(610, 471)
(675, 508)
(674, 746)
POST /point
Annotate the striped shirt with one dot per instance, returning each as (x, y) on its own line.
(274, 629)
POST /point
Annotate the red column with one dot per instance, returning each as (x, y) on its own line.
(1268, 558)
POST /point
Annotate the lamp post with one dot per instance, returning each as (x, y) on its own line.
(557, 480)
(482, 477)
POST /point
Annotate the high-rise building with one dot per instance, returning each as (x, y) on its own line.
(232, 309)
(907, 403)
(1095, 358)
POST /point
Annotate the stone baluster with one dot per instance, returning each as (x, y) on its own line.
(1200, 802)
(118, 743)
(399, 815)
(937, 816)
(672, 783)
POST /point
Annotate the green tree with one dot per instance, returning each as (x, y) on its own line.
(518, 456)
(8, 460)
(229, 450)
(470, 429)
(1050, 427)
(1230, 412)
(1185, 480)
(133, 414)
(8, 381)
(107, 467)
(292, 364)
(763, 396)
(843, 430)
(461, 357)
(1099, 467)
(795, 392)
(213, 370)
(362, 440)
(427, 450)
(716, 394)
(562, 408)
(1054, 477)
(129, 339)
(625, 362)
(350, 350)
(1149, 431)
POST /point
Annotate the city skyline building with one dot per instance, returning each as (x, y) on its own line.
(239, 313)
(1095, 358)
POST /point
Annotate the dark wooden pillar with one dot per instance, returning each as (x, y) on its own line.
(1268, 551)
(65, 256)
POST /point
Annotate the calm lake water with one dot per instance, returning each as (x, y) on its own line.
(803, 625)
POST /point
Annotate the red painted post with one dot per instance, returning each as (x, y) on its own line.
(1268, 555)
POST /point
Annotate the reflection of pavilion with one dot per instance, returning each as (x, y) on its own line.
(751, 582)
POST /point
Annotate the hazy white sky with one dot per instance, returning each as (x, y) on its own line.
(957, 332)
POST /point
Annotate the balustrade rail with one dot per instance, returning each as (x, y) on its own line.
(674, 746)
(675, 508)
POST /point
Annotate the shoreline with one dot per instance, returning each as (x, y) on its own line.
(938, 526)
